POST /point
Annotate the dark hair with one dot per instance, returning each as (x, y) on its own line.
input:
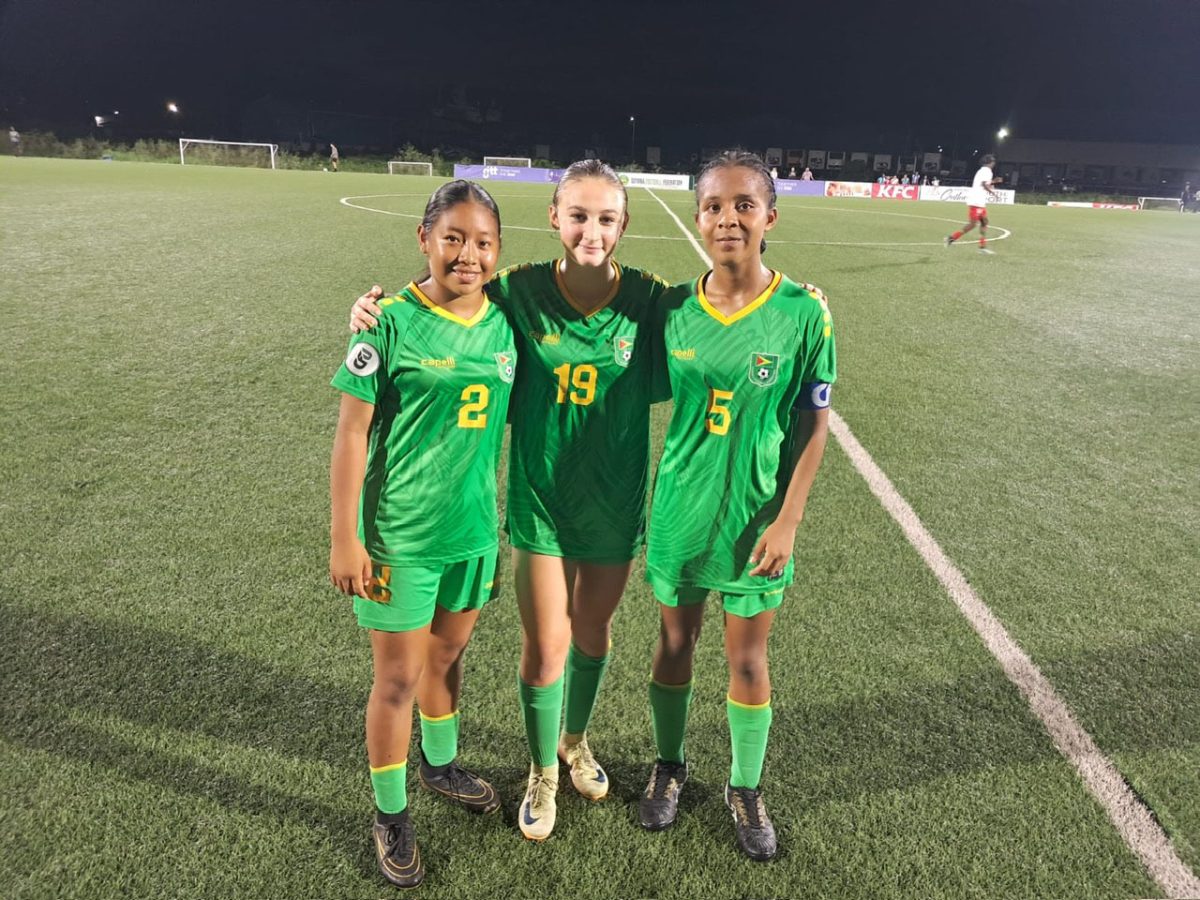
(590, 168)
(987, 159)
(450, 195)
(738, 158)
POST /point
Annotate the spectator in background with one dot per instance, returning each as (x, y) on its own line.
(14, 138)
(333, 157)
(808, 175)
(774, 174)
(904, 179)
(792, 172)
(937, 182)
(895, 179)
(1185, 199)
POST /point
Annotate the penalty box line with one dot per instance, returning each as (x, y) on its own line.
(1133, 820)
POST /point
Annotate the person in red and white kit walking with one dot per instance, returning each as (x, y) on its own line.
(977, 200)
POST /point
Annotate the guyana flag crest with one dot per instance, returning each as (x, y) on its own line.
(764, 368)
(623, 350)
(506, 363)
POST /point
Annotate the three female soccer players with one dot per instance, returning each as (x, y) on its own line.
(748, 356)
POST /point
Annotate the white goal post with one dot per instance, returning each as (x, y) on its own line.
(184, 143)
(404, 167)
(513, 162)
(1171, 202)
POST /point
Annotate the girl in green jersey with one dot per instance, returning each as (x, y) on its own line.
(413, 484)
(578, 471)
(750, 358)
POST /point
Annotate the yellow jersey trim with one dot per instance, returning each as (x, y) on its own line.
(574, 304)
(391, 768)
(776, 278)
(446, 314)
(445, 718)
(748, 705)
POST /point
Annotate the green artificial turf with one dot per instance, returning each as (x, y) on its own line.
(181, 692)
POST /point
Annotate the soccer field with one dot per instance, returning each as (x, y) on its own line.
(182, 692)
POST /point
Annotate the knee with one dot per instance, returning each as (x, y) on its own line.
(749, 670)
(396, 686)
(543, 661)
(443, 657)
(678, 642)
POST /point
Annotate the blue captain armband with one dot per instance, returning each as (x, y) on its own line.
(813, 395)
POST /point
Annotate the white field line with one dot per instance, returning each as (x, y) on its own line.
(349, 201)
(1132, 819)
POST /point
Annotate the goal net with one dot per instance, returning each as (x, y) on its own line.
(1158, 203)
(226, 153)
(515, 162)
(403, 167)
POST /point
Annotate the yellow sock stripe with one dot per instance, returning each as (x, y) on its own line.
(446, 717)
(747, 705)
(672, 687)
(392, 767)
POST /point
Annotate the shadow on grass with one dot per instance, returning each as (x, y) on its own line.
(820, 753)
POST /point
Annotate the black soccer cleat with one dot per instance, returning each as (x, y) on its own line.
(659, 803)
(396, 850)
(460, 786)
(755, 833)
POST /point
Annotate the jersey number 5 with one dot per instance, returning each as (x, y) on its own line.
(475, 400)
(584, 381)
(717, 420)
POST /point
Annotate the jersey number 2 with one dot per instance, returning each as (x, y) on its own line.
(475, 400)
(584, 381)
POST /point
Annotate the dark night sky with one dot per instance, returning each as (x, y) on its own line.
(847, 71)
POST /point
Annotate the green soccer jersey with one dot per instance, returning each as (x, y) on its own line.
(579, 464)
(737, 382)
(440, 385)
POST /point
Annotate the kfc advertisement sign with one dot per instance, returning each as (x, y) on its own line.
(896, 191)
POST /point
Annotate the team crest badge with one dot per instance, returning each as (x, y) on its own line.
(764, 368)
(506, 363)
(623, 350)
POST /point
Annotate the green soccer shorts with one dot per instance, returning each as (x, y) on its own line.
(403, 598)
(745, 606)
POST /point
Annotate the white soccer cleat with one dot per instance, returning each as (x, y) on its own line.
(538, 810)
(586, 774)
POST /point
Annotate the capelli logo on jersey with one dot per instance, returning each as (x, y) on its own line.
(446, 363)
(686, 355)
(540, 337)
(362, 360)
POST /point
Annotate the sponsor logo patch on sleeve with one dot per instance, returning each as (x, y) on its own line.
(362, 360)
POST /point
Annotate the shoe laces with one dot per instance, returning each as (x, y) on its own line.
(583, 755)
(662, 780)
(754, 812)
(542, 790)
(399, 838)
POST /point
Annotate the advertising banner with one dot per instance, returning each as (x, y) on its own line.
(656, 180)
(508, 173)
(848, 189)
(551, 176)
(896, 191)
(1076, 205)
(799, 188)
(959, 195)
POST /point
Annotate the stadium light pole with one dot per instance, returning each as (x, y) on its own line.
(632, 140)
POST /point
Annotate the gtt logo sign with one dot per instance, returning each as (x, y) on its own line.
(896, 191)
